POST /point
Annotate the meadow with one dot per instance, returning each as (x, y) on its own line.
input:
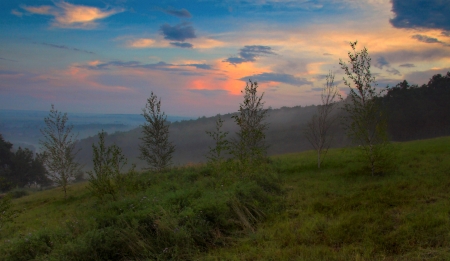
(285, 210)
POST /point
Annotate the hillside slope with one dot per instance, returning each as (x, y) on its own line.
(339, 212)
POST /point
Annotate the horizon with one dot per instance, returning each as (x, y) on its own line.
(105, 57)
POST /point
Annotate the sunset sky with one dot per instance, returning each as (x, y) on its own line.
(106, 56)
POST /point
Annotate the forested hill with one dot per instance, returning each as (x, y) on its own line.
(419, 112)
(415, 112)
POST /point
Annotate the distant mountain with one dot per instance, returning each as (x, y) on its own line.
(22, 127)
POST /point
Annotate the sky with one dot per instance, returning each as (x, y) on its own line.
(107, 56)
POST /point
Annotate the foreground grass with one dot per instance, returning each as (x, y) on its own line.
(339, 212)
(342, 213)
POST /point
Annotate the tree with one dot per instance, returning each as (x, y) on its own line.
(6, 157)
(318, 129)
(156, 148)
(365, 122)
(221, 145)
(108, 165)
(22, 167)
(58, 146)
(249, 148)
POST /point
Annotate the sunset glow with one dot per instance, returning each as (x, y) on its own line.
(107, 56)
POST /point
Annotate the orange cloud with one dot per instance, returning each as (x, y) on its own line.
(141, 43)
(68, 15)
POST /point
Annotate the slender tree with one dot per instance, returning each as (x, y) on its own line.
(318, 129)
(249, 148)
(156, 148)
(365, 122)
(108, 165)
(216, 154)
(58, 146)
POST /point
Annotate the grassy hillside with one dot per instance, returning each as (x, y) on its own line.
(287, 210)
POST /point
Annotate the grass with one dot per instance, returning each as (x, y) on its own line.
(341, 212)
(290, 210)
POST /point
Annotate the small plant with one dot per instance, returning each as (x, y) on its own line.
(156, 148)
(108, 165)
(319, 127)
(215, 155)
(7, 214)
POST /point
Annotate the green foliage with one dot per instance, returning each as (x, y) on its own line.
(21, 168)
(7, 213)
(107, 177)
(58, 146)
(249, 148)
(365, 121)
(215, 155)
(156, 148)
(286, 210)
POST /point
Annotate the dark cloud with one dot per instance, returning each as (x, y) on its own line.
(183, 13)
(327, 54)
(393, 71)
(200, 66)
(421, 14)
(408, 56)
(66, 48)
(249, 54)
(445, 33)
(277, 77)
(1, 58)
(182, 45)
(160, 66)
(179, 32)
(209, 93)
(407, 65)
(381, 62)
(427, 39)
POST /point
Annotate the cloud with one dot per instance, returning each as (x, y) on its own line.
(419, 55)
(16, 13)
(327, 54)
(209, 93)
(277, 77)
(179, 32)
(427, 39)
(407, 65)
(160, 66)
(200, 66)
(421, 14)
(68, 15)
(141, 43)
(422, 77)
(393, 71)
(183, 13)
(381, 62)
(445, 33)
(67, 48)
(1, 58)
(249, 54)
(182, 45)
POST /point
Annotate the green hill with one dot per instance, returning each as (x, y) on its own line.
(287, 210)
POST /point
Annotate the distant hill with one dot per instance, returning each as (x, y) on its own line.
(22, 127)
(284, 135)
